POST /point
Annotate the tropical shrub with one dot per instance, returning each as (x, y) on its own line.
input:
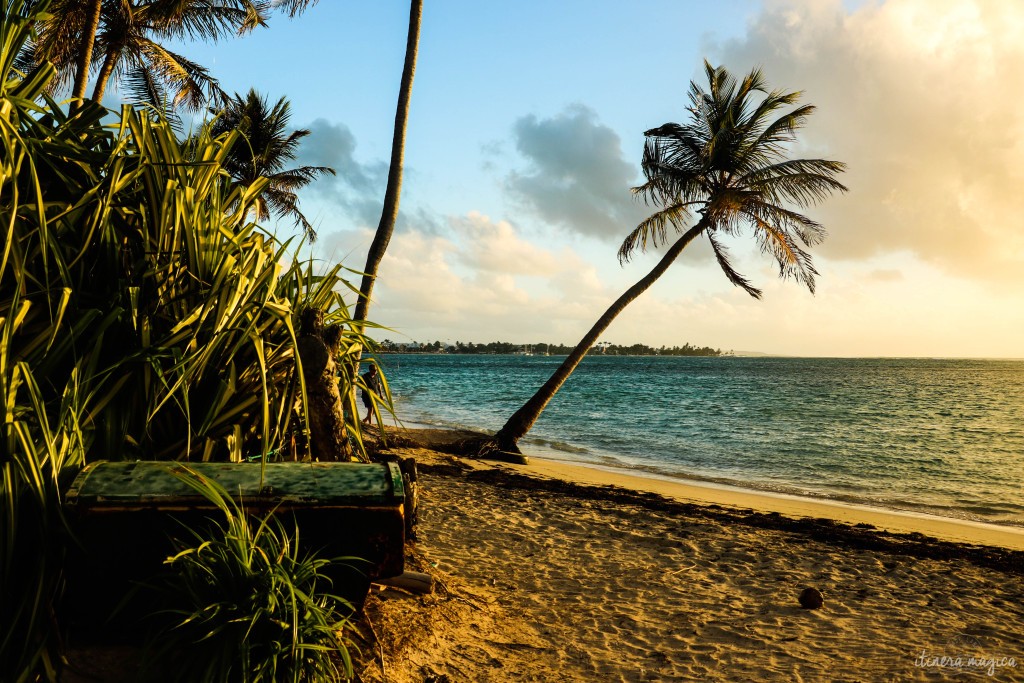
(141, 316)
(135, 265)
(247, 607)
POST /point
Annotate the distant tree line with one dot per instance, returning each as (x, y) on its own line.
(603, 348)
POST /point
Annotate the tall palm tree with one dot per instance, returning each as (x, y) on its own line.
(268, 147)
(392, 194)
(728, 168)
(389, 214)
(125, 40)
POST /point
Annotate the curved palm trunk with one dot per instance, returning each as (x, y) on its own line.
(523, 420)
(391, 196)
(85, 52)
(104, 75)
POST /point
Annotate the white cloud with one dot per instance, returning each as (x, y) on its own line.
(484, 282)
(919, 98)
(925, 253)
(496, 246)
(860, 309)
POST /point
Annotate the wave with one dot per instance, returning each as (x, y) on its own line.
(936, 436)
(555, 445)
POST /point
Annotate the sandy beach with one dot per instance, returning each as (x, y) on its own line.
(549, 572)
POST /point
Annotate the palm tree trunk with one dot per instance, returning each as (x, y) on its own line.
(391, 196)
(85, 52)
(318, 347)
(523, 420)
(104, 75)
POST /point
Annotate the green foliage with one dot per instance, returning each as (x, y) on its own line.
(34, 449)
(141, 315)
(39, 439)
(133, 45)
(730, 164)
(138, 269)
(270, 145)
(247, 607)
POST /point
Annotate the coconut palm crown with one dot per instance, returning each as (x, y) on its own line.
(729, 166)
(268, 148)
(127, 41)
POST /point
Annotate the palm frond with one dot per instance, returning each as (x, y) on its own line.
(294, 7)
(653, 229)
(189, 83)
(141, 88)
(794, 263)
(209, 20)
(297, 178)
(286, 205)
(730, 164)
(734, 276)
(804, 182)
(807, 230)
(268, 148)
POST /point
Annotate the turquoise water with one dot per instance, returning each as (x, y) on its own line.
(938, 436)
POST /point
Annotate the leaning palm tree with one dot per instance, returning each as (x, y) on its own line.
(728, 169)
(267, 148)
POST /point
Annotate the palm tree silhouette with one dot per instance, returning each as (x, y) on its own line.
(392, 195)
(126, 40)
(727, 167)
(264, 153)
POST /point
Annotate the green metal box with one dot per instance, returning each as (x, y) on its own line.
(124, 516)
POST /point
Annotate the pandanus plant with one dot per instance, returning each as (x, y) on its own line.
(142, 315)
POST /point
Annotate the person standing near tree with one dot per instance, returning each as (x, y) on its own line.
(371, 387)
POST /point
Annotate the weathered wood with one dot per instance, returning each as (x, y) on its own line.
(352, 511)
(412, 499)
(318, 347)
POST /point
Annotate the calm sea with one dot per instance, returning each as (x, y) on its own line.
(938, 436)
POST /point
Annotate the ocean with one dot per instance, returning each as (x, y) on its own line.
(935, 436)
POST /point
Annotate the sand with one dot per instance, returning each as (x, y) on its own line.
(545, 573)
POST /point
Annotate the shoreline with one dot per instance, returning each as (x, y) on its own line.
(737, 498)
(552, 572)
(697, 491)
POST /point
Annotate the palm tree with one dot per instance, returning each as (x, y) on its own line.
(268, 147)
(389, 214)
(125, 39)
(392, 194)
(727, 167)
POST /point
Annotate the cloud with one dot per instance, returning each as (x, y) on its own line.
(576, 174)
(497, 247)
(915, 96)
(332, 144)
(433, 286)
(480, 279)
(358, 188)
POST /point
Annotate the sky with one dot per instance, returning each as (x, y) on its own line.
(526, 133)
